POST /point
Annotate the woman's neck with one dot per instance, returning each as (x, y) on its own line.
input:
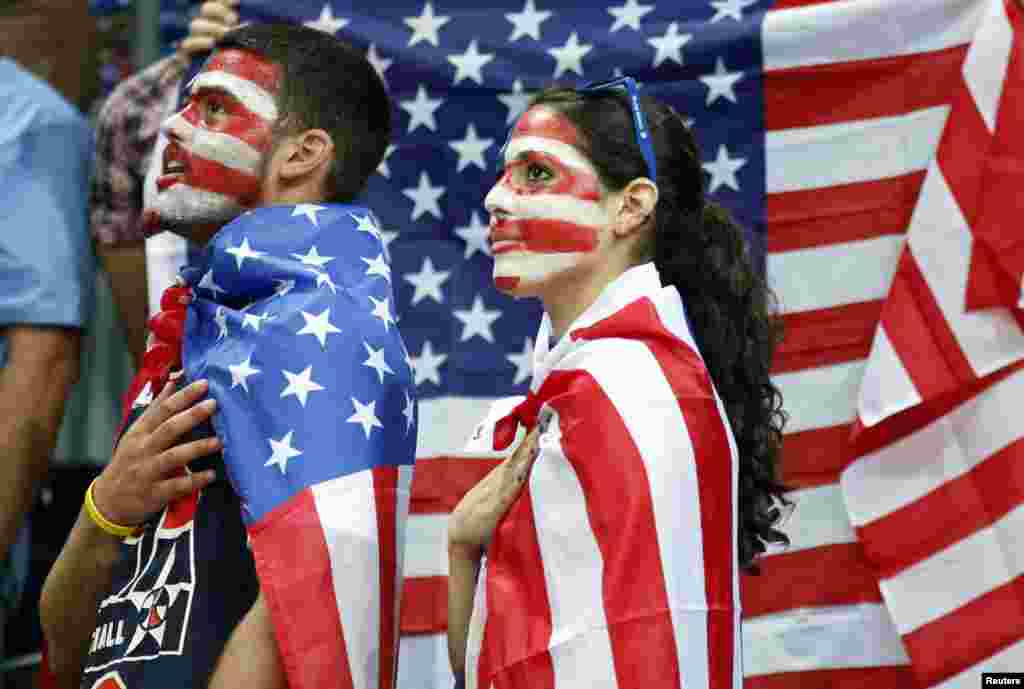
(565, 300)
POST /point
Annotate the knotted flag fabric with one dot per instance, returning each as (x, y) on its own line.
(291, 323)
(936, 491)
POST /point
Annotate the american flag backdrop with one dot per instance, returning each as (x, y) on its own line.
(818, 120)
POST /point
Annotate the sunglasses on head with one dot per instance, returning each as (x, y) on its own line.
(643, 136)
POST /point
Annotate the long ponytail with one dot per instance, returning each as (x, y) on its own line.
(698, 248)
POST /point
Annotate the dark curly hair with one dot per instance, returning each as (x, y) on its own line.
(697, 247)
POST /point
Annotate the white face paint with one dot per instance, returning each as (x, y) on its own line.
(546, 212)
(214, 164)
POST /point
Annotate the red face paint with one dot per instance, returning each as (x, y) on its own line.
(541, 236)
(247, 65)
(548, 123)
(580, 184)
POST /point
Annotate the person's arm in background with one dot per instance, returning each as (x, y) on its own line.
(42, 366)
(143, 477)
(126, 131)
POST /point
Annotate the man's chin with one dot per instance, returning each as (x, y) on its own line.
(190, 213)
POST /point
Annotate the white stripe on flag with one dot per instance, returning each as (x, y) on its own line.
(955, 576)
(820, 397)
(819, 519)
(941, 244)
(1010, 659)
(996, 34)
(898, 474)
(423, 662)
(887, 387)
(663, 440)
(445, 423)
(834, 275)
(834, 32)
(252, 96)
(581, 649)
(856, 151)
(426, 551)
(820, 639)
(348, 515)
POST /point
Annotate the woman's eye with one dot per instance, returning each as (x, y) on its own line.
(536, 173)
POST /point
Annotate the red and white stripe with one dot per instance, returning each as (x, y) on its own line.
(341, 607)
(936, 494)
(879, 71)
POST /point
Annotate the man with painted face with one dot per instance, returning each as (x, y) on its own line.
(174, 571)
(615, 531)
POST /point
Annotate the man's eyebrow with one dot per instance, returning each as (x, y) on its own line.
(202, 89)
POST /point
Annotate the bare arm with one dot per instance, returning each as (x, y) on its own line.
(250, 658)
(42, 366)
(470, 528)
(463, 570)
(141, 479)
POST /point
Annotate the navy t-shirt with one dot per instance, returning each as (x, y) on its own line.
(178, 591)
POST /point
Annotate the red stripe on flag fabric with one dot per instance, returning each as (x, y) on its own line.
(859, 89)
(962, 150)
(424, 605)
(385, 493)
(867, 440)
(1001, 203)
(988, 286)
(692, 387)
(825, 337)
(439, 483)
(301, 600)
(518, 626)
(835, 574)
(843, 213)
(920, 335)
(967, 636)
(620, 508)
(816, 456)
(948, 514)
(886, 677)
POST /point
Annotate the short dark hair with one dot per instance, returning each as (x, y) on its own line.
(326, 84)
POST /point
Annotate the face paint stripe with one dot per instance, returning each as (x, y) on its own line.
(579, 184)
(543, 121)
(222, 179)
(548, 235)
(559, 206)
(225, 150)
(247, 65)
(254, 98)
(253, 131)
(568, 155)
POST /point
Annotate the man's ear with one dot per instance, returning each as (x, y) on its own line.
(306, 152)
(636, 204)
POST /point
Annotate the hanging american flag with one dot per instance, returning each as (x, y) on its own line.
(817, 120)
(291, 324)
(936, 494)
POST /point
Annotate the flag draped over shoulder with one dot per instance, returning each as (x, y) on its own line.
(817, 122)
(936, 492)
(291, 323)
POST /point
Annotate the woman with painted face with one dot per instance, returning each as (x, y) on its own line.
(605, 551)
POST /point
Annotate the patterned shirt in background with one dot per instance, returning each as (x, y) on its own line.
(126, 130)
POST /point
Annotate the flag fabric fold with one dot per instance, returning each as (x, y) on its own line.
(291, 324)
(934, 491)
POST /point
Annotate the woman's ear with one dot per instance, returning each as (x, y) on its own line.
(307, 152)
(636, 204)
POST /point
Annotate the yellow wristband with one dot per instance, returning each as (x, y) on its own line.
(101, 521)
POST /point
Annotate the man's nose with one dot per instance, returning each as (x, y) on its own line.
(175, 127)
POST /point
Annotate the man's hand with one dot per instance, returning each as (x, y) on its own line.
(474, 519)
(145, 473)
